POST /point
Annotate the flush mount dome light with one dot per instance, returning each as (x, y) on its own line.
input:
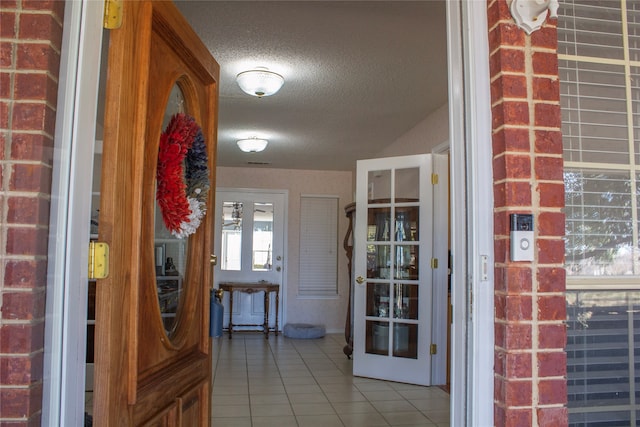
(260, 82)
(252, 145)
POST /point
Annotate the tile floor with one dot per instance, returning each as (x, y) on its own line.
(283, 382)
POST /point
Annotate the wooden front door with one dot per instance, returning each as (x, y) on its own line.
(150, 370)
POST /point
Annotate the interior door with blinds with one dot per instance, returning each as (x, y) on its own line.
(318, 247)
(250, 247)
(394, 268)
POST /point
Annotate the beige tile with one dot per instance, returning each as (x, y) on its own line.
(370, 419)
(346, 396)
(226, 411)
(308, 398)
(295, 372)
(265, 382)
(335, 380)
(382, 395)
(269, 399)
(338, 388)
(424, 393)
(227, 390)
(429, 404)
(313, 409)
(438, 416)
(312, 379)
(374, 386)
(299, 380)
(230, 399)
(271, 410)
(266, 389)
(319, 421)
(406, 418)
(393, 406)
(353, 407)
(231, 422)
(231, 381)
(302, 388)
(279, 421)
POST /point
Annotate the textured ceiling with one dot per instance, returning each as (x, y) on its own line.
(357, 75)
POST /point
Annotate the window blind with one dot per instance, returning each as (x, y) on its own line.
(318, 247)
(600, 95)
(603, 384)
(594, 112)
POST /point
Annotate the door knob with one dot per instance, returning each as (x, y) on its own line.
(278, 268)
(360, 280)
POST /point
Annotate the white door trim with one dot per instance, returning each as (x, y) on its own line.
(440, 278)
(66, 309)
(472, 214)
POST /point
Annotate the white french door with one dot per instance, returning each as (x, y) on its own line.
(250, 248)
(394, 270)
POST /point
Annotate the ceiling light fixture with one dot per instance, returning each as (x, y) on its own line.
(260, 82)
(252, 145)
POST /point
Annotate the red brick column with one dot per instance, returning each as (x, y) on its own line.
(530, 362)
(30, 43)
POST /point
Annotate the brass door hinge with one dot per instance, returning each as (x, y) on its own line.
(433, 349)
(434, 263)
(112, 14)
(434, 178)
(98, 260)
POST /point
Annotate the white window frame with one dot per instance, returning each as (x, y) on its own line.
(472, 340)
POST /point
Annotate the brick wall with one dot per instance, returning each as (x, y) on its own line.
(530, 362)
(30, 38)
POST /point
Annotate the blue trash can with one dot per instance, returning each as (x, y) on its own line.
(215, 316)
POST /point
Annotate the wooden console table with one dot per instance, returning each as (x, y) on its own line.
(250, 288)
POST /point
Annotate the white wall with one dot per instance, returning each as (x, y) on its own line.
(329, 312)
(426, 135)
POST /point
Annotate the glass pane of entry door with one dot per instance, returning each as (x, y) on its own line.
(262, 236)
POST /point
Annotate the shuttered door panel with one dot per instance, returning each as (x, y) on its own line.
(318, 247)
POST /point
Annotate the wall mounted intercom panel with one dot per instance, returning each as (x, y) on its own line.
(521, 237)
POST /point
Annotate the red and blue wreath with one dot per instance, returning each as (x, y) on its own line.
(182, 176)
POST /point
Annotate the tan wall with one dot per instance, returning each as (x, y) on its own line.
(429, 133)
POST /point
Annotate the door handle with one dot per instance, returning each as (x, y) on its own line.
(360, 280)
